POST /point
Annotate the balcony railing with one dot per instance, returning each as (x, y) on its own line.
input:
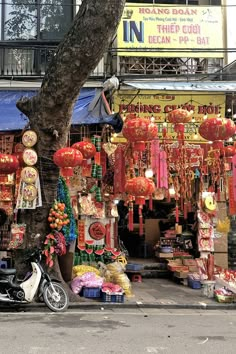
(32, 61)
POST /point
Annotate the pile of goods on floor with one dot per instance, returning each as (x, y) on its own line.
(107, 282)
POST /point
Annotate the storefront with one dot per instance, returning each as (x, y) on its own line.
(164, 181)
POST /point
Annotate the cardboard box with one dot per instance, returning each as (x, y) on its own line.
(189, 262)
(193, 269)
(221, 260)
(221, 244)
(183, 275)
(163, 255)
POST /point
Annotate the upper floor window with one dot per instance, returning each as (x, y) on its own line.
(36, 19)
(178, 2)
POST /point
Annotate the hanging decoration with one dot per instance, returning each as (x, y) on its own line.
(139, 189)
(138, 130)
(8, 163)
(87, 149)
(54, 245)
(69, 230)
(66, 159)
(214, 129)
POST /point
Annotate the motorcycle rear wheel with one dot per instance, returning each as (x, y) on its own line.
(55, 297)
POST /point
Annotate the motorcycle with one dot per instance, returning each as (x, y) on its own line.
(37, 283)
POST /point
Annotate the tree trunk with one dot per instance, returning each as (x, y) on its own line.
(50, 111)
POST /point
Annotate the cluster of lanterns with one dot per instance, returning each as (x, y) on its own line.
(70, 157)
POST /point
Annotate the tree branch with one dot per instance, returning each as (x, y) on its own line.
(80, 51)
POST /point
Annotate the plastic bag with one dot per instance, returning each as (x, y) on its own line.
(89, 280)
(81, 269)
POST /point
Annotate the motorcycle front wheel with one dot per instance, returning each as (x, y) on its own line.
(55, 297)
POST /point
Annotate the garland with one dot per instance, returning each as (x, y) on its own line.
(69, 230)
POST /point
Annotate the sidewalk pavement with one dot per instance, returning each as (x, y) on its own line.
(159, 293)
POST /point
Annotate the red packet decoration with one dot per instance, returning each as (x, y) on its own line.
(81, 233)
(17, 236)
(232, 202)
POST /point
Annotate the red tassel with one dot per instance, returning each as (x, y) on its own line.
(185, 211)
(177, 214)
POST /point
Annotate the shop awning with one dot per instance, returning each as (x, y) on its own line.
(208, 86)
(12, 119)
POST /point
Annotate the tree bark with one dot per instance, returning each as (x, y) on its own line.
(50, 111)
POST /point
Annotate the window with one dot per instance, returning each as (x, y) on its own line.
(36, 19)
(177, 2)
(20, 21)
(55, 18)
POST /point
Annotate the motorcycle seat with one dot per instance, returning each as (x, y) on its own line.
(10, 271)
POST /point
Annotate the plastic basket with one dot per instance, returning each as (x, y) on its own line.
(225, 298)
(194, 284)
(118, 298)
(133, 267)
(92, 292)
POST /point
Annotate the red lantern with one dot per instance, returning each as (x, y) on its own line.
(217, 129)
(138, 130)
(140, 187)
(87, 149)
(66, 159)
(8, 163)
(179, 116)
(229, 151)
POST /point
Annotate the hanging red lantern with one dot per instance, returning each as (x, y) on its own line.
(179, 116)
(140, 188)
(87, 149)
(8, 163)
(66, 159)
(137, 130)
(229, 151)
(217, 129)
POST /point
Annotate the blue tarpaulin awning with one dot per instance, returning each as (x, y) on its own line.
(12, 119)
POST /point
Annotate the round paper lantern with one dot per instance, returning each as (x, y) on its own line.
(8, 163)
(66, 159)
(140, 187)
(87, 149)
(137, 130)
(179, 116)
(229, 151)
(217, 129)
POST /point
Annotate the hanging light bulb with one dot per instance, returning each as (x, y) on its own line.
(205, 116)
(152, 119)
(193, 119)
(229, 110)
(164, 124)
(234, 116)
(195, 136)
(230, 140)
(149, 173)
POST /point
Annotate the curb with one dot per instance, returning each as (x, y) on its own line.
(107, 305)
(135, 305)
